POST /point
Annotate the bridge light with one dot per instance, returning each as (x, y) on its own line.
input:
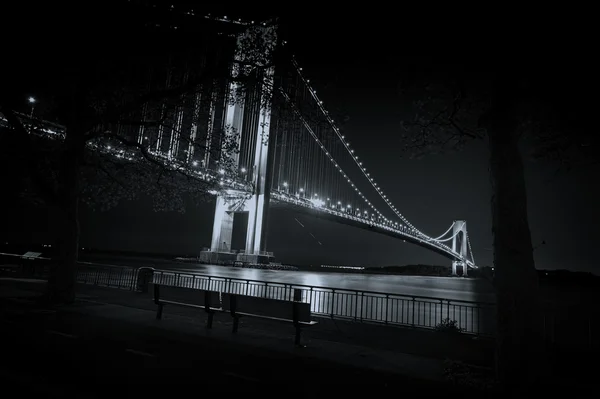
(195, 163)
(318, 202)
(243, 170)
(31, 100)
(301, 190)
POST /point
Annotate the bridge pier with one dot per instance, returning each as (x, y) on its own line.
(459, 244)
(222, 226)
(456, 264)
(228, 204)
(250, 115)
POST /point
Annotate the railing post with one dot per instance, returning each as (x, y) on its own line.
(413, 311)
(479, 326)
(266, 290)
(362, 301)
(247, 286)
(441, 310)
(332, 301)
(387, 300)
(356, 306)
(120, 278)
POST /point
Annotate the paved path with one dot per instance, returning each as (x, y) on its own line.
(129, 345)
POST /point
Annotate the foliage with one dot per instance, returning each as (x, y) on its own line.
(516, 108)
(448, 326)
(147, 91)
(446, 116)
(450, 105)
(124, 131)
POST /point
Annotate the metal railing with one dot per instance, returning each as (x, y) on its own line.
(31, 267)
(121, 277)
(346, 304)
(561, 328)
(367, 306)
(112, 276)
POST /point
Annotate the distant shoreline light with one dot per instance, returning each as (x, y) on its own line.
(344, 267)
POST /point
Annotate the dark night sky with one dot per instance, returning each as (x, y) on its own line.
(352, 66)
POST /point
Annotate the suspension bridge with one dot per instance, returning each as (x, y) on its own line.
(288, 150)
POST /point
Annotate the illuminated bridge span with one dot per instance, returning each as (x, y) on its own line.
(288, 151)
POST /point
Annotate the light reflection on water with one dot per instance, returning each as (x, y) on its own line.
(454, 288)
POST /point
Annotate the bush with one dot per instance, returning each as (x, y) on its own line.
(447, 325)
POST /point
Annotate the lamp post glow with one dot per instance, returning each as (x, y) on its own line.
(31, 101)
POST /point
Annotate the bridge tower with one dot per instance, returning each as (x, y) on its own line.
(249, 114)
(459, 244)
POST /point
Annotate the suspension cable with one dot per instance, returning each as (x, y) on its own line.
(312, 133)
(450, 228)
(351, 152)
(449, 238)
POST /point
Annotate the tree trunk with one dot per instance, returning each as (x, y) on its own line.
(519, 333)
(62, 279)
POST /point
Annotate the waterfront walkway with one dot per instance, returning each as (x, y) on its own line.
(341, 354)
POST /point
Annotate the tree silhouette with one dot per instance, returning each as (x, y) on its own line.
(531, 105)
(106, 97)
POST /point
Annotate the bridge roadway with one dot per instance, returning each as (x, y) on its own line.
(304, 206)
(454, 288)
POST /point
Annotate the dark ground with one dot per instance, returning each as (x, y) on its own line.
(59, 353)
(96, 346)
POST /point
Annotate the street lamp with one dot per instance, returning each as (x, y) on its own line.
(31, 101)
